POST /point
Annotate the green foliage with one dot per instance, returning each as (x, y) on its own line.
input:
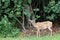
(52, 7)
(8, 10)
(6, 27)
(29, 1)
(14, 8)
(55, 8)
(27, 12)
(37, 17)
(19, 6)
(14, 31)
(36, 9)
(18, 13)
(52, 17)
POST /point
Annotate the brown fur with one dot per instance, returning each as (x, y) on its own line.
(41, 25)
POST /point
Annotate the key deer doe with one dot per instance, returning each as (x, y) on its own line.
(41, 26)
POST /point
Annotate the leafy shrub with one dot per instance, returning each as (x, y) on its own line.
(7, 28)
(54, 9)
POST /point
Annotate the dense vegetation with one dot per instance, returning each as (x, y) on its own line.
(15, 13)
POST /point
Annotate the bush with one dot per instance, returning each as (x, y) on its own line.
(6, 27)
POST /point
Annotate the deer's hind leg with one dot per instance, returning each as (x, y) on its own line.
(50, 30)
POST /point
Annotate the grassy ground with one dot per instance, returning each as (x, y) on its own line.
(44, 37)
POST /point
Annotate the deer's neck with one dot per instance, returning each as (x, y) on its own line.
(34, 24)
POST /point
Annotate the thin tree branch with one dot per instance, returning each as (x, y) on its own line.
(19, 22)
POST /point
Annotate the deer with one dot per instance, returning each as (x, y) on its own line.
(41, 26)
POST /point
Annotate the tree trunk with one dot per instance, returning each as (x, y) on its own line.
(23, 23)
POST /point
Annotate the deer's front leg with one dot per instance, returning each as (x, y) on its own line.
(38, 32)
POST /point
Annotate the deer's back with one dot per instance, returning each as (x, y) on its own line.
(44, 25)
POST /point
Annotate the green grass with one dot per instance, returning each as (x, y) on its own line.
(31, 37)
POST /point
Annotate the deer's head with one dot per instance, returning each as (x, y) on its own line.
(32, 21)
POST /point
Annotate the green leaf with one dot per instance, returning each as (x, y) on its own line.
(37, 16)
(18, 14)
(18, 6)
(36, 9)
(29, 1)
(3, 0)
(51, 17)
(11, 15)
(7, 10)
(27, 12)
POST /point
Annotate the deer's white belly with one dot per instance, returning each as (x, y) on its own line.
(43, 27)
